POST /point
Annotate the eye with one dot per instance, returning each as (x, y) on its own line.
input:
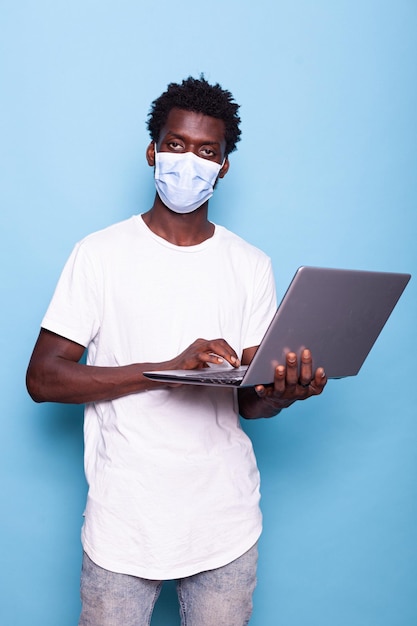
(207, 152)
(175, 146)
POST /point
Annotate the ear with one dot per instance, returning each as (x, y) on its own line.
(224, 168)
(150, 154)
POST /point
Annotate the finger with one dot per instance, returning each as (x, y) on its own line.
(292, 369)
(319, 381)
(211, 357)
(279, 383)
(306, 368)
(260, 390)
(219, 351)
(279, 380)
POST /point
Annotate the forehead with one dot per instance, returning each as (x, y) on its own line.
(193, 126)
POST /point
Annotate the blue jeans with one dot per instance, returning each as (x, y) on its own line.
(219, 597)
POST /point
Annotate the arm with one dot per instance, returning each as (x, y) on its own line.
(289, 386)
(56, 375)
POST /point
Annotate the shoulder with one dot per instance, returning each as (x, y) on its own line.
(109, 240)
(114, 232)
(102, 248)
(236, 244)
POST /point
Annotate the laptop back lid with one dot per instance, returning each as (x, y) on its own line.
(336, 313)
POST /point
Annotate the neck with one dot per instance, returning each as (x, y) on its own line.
(185, 229)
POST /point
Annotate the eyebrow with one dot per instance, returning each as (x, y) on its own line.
(205, 142)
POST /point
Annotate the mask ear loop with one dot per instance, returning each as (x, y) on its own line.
(223, 162)
(156, 154)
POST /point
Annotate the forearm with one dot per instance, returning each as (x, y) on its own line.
(251, 406)
(76, 383)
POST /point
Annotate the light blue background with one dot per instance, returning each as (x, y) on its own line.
(325, 175)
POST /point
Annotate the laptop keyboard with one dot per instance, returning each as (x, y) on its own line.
(227, 377)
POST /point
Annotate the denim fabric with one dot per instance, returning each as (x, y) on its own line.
(220, 597)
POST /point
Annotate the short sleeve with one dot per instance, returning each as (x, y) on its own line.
(73, 311)
(264, 304)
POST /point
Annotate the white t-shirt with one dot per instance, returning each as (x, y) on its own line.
(173, 482)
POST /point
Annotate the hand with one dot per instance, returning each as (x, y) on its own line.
(292, 383)
(202, 352)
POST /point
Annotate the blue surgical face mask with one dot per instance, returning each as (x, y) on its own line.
(183, 180)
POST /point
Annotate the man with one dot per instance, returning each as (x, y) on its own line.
(173, 483)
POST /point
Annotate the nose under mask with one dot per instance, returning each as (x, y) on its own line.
(183, 180)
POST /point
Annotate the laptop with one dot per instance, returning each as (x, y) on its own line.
(336, 313)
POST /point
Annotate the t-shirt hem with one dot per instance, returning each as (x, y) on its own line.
(176, 572)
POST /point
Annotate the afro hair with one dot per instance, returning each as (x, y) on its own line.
(197, 95)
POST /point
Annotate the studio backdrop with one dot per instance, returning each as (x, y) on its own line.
(325, 175)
